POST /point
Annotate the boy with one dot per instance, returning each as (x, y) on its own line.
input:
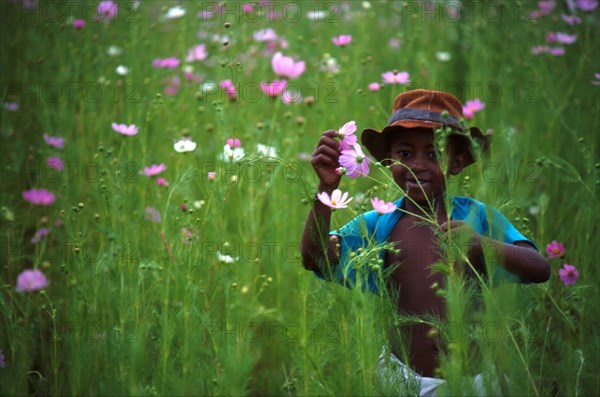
(407, 145)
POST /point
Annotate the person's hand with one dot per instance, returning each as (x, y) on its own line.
(325, 160)
(464, 235)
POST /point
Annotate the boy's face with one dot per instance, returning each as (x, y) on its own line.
(415, 149)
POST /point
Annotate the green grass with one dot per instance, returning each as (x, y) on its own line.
(131, 309)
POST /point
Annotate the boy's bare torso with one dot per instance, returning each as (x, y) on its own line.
(413, 281)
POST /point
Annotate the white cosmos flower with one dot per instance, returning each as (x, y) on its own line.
(266, 151)
(231, 155)
(122, 70)
(113, 51)
(175, 12)
(184, 146)
(226, 258)
(443, 56)
(337, 199)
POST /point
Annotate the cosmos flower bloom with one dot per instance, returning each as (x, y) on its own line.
(568, 274)
(555, 249)
(211, 175)
(39, 196)
(587, 5)
(266, 151)
(226, 258)
(2, 360)
(162, 181)
(571, 19)
(175, 12)
(337, 199)
(395, 77)
(184, 145)
(229, 88)
(154, 169)
(78, 23)
(273, 89)
(114, 51)
(291, 97)
(233, 142)
(124, 129)
(267, 34)
(31, 280)
(55, 162)
(197, 53)
(39, 235)
(152, 214)
(471, 107)
(286, 67)
(560, 37)
(544, 8)
(355, 162)
(106, 10)
(11, 106)
(55, 141)
(382, 207)
(165, 63)
(231, 154)
(374, 87)
(597, 81)
(342, 40)
(122, 70)
(347, 136)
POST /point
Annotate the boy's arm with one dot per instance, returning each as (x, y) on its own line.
(316, 247)
(519, 258)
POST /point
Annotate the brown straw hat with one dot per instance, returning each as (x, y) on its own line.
(424, 108)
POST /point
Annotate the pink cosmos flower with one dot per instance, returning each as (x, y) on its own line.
(211, 175)
(55, 162)
(290, 97)
(123, 129)
(395, 77)
(197, 53)
(39, 235)
(382, 207)
(154, 169)
(337, 199)
(355, 162)
(555, 250)
(560, 37)
(187, 236)
(267, 34)
(286, 67)
(342, 40)
(106, 10)
(597, 81)
(545, 7)
(347, 136)
(556, 51)
(568, 274)
(11, 106)
(152, 214)
(587, 5)
(233, 143)
(571, 19)
(160, 181)
(39, 196)
(374, 87)
(166, 63)
(273, 89)
(55, 141)
(31, 280)
(78, 23)
(248, 8)
(229, 88)
(471, 107)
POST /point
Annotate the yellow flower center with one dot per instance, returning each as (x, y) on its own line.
(333, 202)
(555, 251)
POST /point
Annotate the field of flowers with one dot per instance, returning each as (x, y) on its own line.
(156, 177)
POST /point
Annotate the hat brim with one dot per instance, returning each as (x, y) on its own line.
(376, 143)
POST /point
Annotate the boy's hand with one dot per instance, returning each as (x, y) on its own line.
(325, 160)
(464, 233)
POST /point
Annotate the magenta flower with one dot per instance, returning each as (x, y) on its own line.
(123, 129)
(337, 199)
(233, 143)
(545, 7)
(197, 53)
(154, 169)
(597, 81)
(374, 87)
(39, 196)
(78, 23)
(568, 274)
(342, 40)
(274, 88)
(211, 175)
(248, 8)
(166, 63)
(39, 235)
(555, 249)
(556, 51)
(160, 181)
(347, 136)
(354, 162)
(106, 10)
(55, 141)
(395, 77)
(152, 214)
(560, 37)
(229, 88)
(31, 280)
(587, 5)
(471, 107)
(382, 207)
(571, 19)
(55, 162)
(286, 67)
